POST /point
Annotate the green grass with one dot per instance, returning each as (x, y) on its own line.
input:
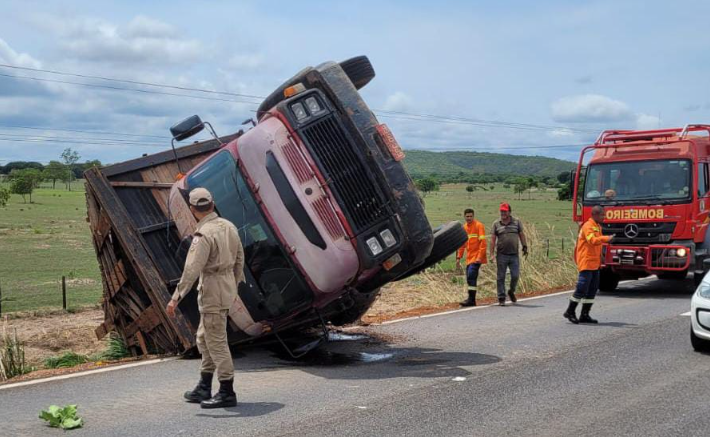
(550, 217)
(42, 241)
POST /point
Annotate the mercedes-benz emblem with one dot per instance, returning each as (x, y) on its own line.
(631, 230)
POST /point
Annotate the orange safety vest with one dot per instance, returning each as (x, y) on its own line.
(475, 246)
(588, 251)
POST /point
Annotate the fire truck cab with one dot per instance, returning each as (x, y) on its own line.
(655, 189)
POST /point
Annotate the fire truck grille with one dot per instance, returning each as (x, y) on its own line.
(345, 173)
(639, 232)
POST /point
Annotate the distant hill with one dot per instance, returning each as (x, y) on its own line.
(420, 163)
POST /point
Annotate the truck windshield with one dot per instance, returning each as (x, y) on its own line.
(279, 285)
(652, 181)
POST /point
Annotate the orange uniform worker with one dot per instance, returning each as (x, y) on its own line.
(587, 255)
(475, 248)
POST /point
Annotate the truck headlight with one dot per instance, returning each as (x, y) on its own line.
(388, 238)
(681, 252)
(374, 246)
(313, 105)
(299, 111)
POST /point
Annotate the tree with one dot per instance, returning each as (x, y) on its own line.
(563, 177)
(520, 188)
(470, 189)
(19, 165)
(427, 184)
(4, 196)
(565, 192)
(70, 158)
(55, 170)
(531, 183)
(23, 182)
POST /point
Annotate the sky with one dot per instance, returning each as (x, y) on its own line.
(535, 78)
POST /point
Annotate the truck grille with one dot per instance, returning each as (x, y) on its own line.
(345, 173)
(647, 232)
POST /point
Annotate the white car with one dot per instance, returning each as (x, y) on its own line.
(700, 317)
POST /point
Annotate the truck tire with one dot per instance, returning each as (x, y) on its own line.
(699, 344)
(675, 276)
(447, 239)
(359, 70)
(608, 280)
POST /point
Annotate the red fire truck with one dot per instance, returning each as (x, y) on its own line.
(654, 187)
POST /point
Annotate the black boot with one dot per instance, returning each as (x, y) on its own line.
(501, 302)
(511, 295)
(584, 317)
(570, 313)
(224, 398)
(471, 301)
(203, 391)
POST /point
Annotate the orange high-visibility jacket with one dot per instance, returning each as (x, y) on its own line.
(475, 247)
(588, 251)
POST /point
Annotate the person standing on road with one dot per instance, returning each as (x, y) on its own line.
(505, 235)
(216, 256)
(475, 248)
(587, 255)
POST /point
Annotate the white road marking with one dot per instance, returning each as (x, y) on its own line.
(461, 310)
(686, 314)
(88, 372)
(459, 379)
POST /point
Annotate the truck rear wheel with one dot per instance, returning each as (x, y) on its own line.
(359, 70)
(608, 280)
(361, 303)
(447, 239)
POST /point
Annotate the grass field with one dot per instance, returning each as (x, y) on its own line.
(43, 241)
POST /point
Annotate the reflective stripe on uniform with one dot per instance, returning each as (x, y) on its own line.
(472, 235)
(574, 299)
(590, 236)
(587, 301)
(471, 288)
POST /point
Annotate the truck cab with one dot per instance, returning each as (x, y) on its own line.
(324, 207)
(654, 187)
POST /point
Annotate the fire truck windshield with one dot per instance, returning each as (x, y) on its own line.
(665, 181)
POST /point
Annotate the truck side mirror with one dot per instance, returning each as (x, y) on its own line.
(187, 128)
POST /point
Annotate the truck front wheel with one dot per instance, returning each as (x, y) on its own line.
(608, 280)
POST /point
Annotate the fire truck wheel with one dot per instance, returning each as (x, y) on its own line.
(447, 239)
(359, 70)
(699, 344)
(608, 280)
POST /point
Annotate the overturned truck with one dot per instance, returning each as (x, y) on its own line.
(316, 188)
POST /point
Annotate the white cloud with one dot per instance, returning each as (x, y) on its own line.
(590, 108)
(142, 40)
(10, 56)
(398, 101)
(647, 122)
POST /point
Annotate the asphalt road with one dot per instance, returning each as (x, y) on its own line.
(519, 370)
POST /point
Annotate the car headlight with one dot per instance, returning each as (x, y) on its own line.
(704, 290)
(681, 252)
(313, 105)
(388, 238)
(374, 246)
(299, 111)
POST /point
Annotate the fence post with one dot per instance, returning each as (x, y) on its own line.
(548, 247)
(64, 293)
(0, 299)
(563, 245)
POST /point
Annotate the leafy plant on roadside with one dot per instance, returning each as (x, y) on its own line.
(12, 356)
(116, 348)
(65, 418)
(67, 359)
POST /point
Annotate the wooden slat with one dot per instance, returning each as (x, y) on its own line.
(141, 342)
(101, 331)
(138, 255)
(152, 185)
